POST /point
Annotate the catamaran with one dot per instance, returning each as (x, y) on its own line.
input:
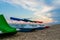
(27, 27)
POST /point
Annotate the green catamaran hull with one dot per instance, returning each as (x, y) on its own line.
(5, 28)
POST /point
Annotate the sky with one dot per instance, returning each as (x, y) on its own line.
(41, 10)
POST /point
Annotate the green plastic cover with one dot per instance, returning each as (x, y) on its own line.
(4, 27)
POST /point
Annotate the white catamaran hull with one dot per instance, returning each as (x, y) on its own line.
(28, 27)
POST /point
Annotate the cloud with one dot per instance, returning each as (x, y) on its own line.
(54, 11)
(55, 14)
(52, 2)
(26, 4)
(42, 8)
(56, 3)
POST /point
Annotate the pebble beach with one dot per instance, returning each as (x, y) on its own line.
(52, 33)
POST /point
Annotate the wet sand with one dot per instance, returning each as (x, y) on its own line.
(52, 33)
